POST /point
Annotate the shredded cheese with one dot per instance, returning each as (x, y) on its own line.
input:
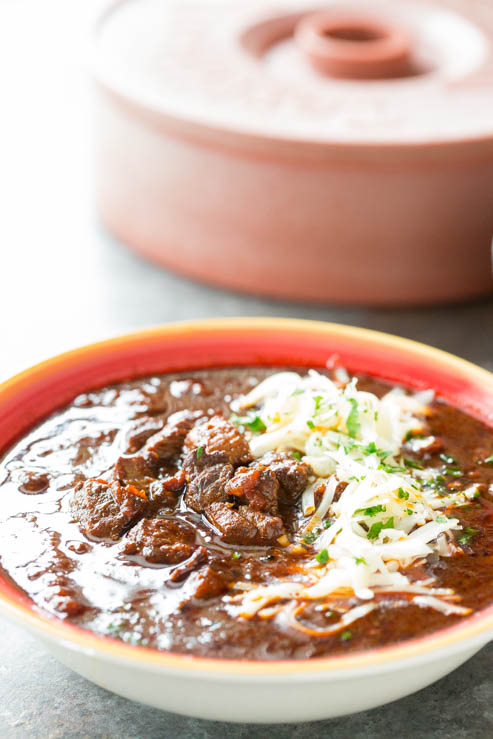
(390, 514)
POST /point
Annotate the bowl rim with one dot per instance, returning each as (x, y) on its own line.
(476, 629)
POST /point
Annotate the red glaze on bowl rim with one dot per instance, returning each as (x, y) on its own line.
(31, 395)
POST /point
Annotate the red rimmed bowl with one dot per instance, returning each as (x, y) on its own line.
(234, 690)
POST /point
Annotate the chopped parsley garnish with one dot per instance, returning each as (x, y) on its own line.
(328, 523)
(414, 435)
(466, 535)
(360, 560)
(254, 423)
(453, 472)
(403, 494)
(371, 511)
(390, 468)
(489, 460)
(346, 635)
(413, 463)
(297, 392)
(236, 555)
(296, 455)
(448, 459)
(309, 537)
(371, 448)
(441, 519)
(318, 401)
(199, 452)
(310, 425)
(322, 557)
(352, 423)
(377, 527)
(409, 511)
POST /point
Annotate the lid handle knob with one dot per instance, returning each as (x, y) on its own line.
(353, 47)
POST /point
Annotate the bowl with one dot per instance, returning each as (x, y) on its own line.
(243, 143)
(229, 690)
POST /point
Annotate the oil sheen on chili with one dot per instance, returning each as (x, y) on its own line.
(252, 513)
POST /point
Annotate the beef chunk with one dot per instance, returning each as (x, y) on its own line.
(291, 473)
(244, 526)
(207, 486)
(257, 486)
(216, 434)
(133, 470)
(136, 471)
(209, 582)
(232, 526)
(165, 492)
(269, 528)
(196, 462)
(199, 557)
(134, 435)
(105, 510)
(167, 444)
(161, 540)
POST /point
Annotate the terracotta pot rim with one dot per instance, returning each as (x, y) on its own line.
(323, 153)
(214, 132)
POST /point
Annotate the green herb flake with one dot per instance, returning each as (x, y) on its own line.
(360, 560)
(377, 527)
(371, 511)
(467, 534)
(448, 459)
(409, 511)
(328, 523)
(441, 519)
(403, 494)
(199, 452)
(309, 537)
(391, 468)
(453, 472)
(346, 635)
(297, 392)
(371, 448)
(413, 464)
(352, 423)
(254, 423)
(318, 401)
(322, 557)
(310, 425)
(237, 555)
(489, 460)
(296, 455)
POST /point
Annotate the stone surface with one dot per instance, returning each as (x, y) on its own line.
(65, 282)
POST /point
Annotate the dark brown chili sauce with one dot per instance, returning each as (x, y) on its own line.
(109, 521)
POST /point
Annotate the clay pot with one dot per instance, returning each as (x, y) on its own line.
(343, 155)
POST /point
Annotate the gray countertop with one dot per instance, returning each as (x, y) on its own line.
(65, 282)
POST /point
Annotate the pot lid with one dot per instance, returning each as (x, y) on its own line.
(387, 72)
